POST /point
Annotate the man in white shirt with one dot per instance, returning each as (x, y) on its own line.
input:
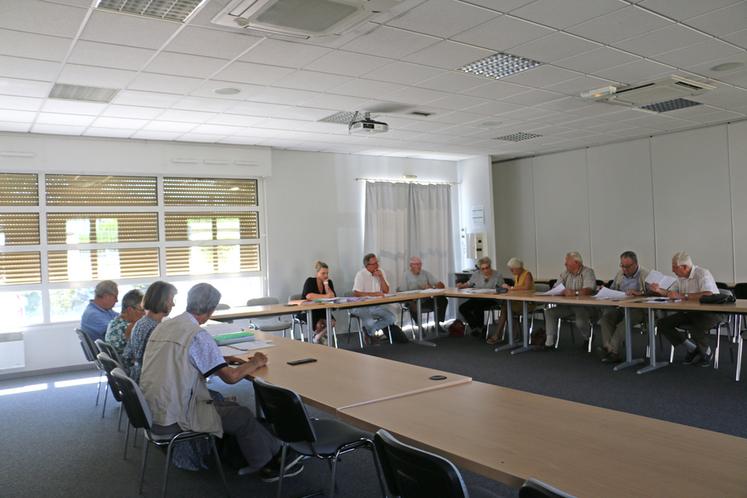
(692, 283)
(371, 282)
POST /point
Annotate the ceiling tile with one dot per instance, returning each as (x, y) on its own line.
(453, 81)
(194, 66)
(123, 29)
(578, 85)
(204, 104)
(636, 72)
(208, 89)
(596, 60)
(185, 116)
(554, 47)
(458, 102)
(234, 120)
(45, 18)
(57, 129)
(347, 63)
(496, 108)
(16, 67)
(155, 135)
(147, 99)
(565, 104)
(19, 103)
(18, 116)
(403, 72)
(366, 88)
(108, 55)
(390, 42)
(257, 74)
(337, 102)
(214, 129)
(24, 88)
(33, 46)
(170, 126)
(723, 96)
(123, 123)
(211, 42)
(73, 107)
(442, 18)
(661, 40)
(163, 83)
(312, 81)
(541, 76)
(283, 96)
(497, 90)
(108, 132)
(503, 33)
(684, 9)
(700, 53)
(619, 25)
(739, 38)
(533, 97)
(448, 55)
(64, 119)
(95, 76)
(134, 112)
(283, 53)
(563, 13)
(723, 21)
(15, 127)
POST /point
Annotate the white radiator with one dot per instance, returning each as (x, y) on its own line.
(12, 351)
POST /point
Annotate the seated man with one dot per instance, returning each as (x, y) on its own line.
(692, 283)
(418, 279)
(179, 358)
(371, 281)
(579, 280)
(473, 310)
(99, 312)
(631, 279)
(119, 329)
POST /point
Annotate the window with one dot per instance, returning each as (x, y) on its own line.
(54, 248)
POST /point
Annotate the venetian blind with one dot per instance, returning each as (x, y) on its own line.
(101, 190)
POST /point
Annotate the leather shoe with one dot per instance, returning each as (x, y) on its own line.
(612, 358)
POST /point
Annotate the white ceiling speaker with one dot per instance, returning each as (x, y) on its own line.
(300, 18)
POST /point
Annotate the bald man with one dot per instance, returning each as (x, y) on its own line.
(415, 278)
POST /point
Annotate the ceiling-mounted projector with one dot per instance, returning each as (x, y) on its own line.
(366, 125)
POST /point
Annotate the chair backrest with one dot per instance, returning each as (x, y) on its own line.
(533, 488)
(410, 472)
(540, 287)
(86, 345)
(133, 399)
(551, 282)
(295, 297)
(725, 292)
(110, 364)
(285, 412)
(722, 285)
(107, 348)
(740, 290)
(223, 306)
(259, 301)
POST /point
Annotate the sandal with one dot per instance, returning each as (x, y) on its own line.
(493, 339)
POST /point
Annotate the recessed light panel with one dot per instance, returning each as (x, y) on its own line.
(170, 10)
(518, 137)
(499, 65)
(670, 105)
(83, 93)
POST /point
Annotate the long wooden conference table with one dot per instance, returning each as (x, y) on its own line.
(509, 435)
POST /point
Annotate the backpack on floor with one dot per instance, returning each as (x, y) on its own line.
(456, 329)
(397, 335)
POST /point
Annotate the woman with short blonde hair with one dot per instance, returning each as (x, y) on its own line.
(318, 287)
(523, 281)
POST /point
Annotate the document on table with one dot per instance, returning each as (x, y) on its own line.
(657, 277)
(606, 293)
(243, 347)
(433, 291)
(555, 291)
(478, 291)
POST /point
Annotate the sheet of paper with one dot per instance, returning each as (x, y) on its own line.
(478, 291)
(243, 347)
(221, 328)
(657, 277)
(555, 291)
(433, 291)
(605, 293)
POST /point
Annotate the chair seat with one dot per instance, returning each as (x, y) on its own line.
(331, 435)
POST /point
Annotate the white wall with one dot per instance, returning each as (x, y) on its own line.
(475, 192)
(680, 191)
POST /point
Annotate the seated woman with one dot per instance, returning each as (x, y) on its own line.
(158, 301)
(319, 287)
(523, 281)
(118, 331)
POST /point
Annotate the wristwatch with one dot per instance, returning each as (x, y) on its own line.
(577, 293)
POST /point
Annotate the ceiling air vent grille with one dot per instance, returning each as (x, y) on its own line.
(82, 93)
(518, 137)
(670, 105)
(342, 117)
(169, 10)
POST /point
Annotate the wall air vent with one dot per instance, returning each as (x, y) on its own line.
(82, 93)
(518, 137)
(670, 105)
(168, 10)
(300, 18)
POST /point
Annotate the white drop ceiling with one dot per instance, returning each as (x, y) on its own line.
(167, 73)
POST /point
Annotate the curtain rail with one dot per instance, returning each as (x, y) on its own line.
(404, 180)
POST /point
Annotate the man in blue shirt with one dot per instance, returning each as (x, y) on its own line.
(99, 312)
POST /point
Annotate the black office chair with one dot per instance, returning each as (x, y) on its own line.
(413, 473)
(90, 351)
(140, 417)
(110, 364)
(107, 348)
(533, 488)
(326, 439)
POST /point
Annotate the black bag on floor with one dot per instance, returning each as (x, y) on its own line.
(397, 335)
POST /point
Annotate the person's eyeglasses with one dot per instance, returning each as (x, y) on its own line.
(372, 264)
(485, 268)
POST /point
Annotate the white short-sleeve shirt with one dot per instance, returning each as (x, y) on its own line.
(699, 280)
(366, 282)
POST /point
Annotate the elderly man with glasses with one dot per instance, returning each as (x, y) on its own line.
(631, 279)
(473, 310)
(371, 281)
(416, 278)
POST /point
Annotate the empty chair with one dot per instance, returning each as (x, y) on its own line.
(297, 319)
(90, 351)
(111, 353)
(140, 417)
(533, 488)
(274, 324)
(110, 364)
(425, 310)
(326, 439)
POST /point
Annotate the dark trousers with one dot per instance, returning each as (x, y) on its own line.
(697, 323)
(473, 311)
(427, 305)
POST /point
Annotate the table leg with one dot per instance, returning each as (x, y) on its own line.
(525, 329)
(309, 327)
(331, 336)
(629, 360)
(653, 364)
(510, 325)
(421, 341)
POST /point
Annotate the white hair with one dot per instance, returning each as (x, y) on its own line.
(415, 260)
(515, 263)
(575, 256)
(681, 258)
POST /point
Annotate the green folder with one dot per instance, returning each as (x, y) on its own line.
(233, 338)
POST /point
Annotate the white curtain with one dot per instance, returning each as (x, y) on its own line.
(404, 220)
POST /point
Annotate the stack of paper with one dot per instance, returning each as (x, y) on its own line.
(664, 281)
(555, 291)
(605, 293)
